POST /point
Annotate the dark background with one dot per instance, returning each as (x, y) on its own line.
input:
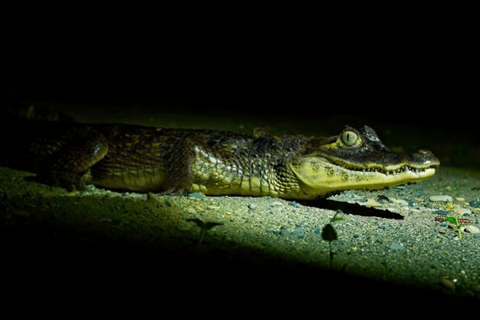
(414, 72)
(422, 90)
(430, 94)
(417, 71)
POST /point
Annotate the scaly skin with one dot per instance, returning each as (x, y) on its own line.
(145, 159)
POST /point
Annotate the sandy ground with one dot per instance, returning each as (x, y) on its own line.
(388, 240)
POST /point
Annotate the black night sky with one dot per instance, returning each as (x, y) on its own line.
(409, 77)
(411, 92)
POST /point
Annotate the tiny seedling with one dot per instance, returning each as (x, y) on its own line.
(456, 222)
(329, 234)
(457, 225)
(204, 227)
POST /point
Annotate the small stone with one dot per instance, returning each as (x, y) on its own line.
(295, 204)
(197, 195)
(472, 229)
(252, 206)
(475, 204)
(299, 232)
(399, 201)
(441, 198)
(372, 203)
(411, 203)
(462, 211)
(191, 210)
(396, 246)
(460, 199)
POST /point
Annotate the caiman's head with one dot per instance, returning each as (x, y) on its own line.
(357, 160)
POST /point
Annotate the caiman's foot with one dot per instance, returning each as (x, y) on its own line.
(67, 180)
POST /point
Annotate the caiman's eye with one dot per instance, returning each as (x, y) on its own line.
(349, 137)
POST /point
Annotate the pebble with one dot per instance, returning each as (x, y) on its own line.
(298, 232)
(472, 229)
(475, 204)
(191, 210)
(399, 201)
(441, 198)
(285, 231)
(372, 203)
(462, 211)
(396, 246)
(197, 195)
(252, 206)
(295, 204)
(411, 203)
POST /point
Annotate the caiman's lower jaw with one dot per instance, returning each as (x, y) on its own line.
(317, 176)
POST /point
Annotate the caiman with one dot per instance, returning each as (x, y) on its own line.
(146, 159)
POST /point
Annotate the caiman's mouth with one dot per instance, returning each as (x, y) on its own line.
(389, 170)
(320, 176)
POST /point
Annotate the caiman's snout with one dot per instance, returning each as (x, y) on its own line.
(425, 158)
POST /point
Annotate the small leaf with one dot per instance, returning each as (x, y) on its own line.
(336, 219)
(451, 219)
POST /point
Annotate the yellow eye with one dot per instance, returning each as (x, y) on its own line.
(349, 138)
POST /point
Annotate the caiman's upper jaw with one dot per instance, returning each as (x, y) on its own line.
(390, 163)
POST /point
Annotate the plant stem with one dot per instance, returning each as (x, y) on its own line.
(331, 253)
(201, 237)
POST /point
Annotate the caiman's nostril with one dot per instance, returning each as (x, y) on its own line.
(427, 157)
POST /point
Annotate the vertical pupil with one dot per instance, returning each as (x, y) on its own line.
(349, 138)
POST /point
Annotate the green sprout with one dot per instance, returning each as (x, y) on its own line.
(457, 222)
(329, 234)
(454, 220)
(204, 227)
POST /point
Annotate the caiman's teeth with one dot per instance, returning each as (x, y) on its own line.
(391, 172)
